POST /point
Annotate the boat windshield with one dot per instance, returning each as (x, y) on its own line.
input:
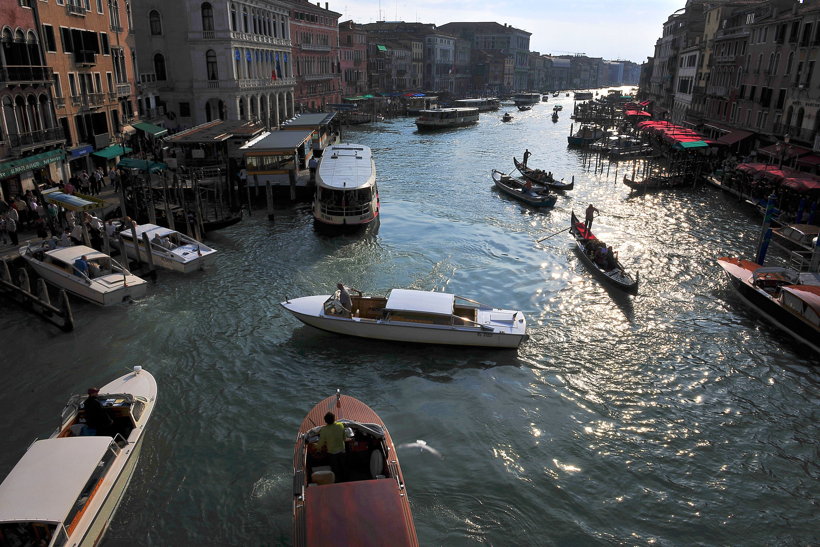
(345, 202)
(13, 534)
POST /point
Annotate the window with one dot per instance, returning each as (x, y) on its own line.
(72, 84)
(58, 87)
(65, 38)
(99, 6)
(210, 65)
(109, 78)
(106, 48)
(48, 34)
(155, 23)
(233, 17)
(185, 110)
(207, 17)
(159, 66)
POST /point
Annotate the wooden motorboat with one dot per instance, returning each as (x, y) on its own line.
(367, 504)
(655, 182)
(170, 249)
(788, 299)
(506, 117)
(346, 190)
(518, 188)
(66, 488)
(105, 283)
(608, 269)
(544, 178)
(413, 316)
(796, 237)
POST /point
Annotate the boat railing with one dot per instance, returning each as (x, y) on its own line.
(344, 210)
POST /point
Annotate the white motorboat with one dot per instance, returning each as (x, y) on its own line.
(346, 191)
(413, 316)
(443, 118)
(105, 283)
(66, 488)
(170, 249)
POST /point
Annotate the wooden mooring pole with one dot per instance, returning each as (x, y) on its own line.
(20, 292)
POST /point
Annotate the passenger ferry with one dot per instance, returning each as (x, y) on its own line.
(442, 118)
(346, 192)
(583, 95)
(526, 99)
(486, 104)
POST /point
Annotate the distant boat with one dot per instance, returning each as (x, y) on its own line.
(443, 118)
(557, 107)
(524, 107)
(506, 117)
(526, 99)
(582, 95)
(483, 104)
(369, 505)
(656, 182)
(586, 134)
(66, 488)
(555, 116)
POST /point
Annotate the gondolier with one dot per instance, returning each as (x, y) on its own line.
(527, 155)
(590, 216)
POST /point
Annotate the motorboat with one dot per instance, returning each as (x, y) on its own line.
(788, 299)
(66, 488)
(524, 107)
(557, 108)
(346, 191)
(520, 189)
(483, 104)
(367, 504)
(413, 316)
(607, 267)
(105, 282)
(796, 237)
(507, 117)
(586, 135)
(170, 250)
(444, 118)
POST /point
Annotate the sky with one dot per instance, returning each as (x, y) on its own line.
(622, 29)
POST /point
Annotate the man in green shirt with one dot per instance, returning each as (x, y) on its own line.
(332, 439)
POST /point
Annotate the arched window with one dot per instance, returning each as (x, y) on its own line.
(210, 65)
(798, 123)
(159, 66)
(207, 16)
(244, 19)
(233, 17)
(155, 23)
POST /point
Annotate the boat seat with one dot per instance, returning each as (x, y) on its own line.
(322, 475)
(376, 464)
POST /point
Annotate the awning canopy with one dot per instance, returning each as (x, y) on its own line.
(35, 161)
(112, 151)
(72, 202)
(809, 160)
(791, 151)
(143, 165)
(128, 129)
(381, 47)
(151, 129)
(733, 137)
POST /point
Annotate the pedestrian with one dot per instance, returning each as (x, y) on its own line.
(3, 233)
(11, 228)
(589, 217)
(313, 164)
(112, 178)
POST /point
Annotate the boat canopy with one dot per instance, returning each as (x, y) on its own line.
(72, 202)
(49, 478)
(795, 295)
(437, 303)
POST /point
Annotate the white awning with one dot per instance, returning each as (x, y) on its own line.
(438, 303)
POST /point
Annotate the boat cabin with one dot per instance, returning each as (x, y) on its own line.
(404, 305)
(803, 301)
(772, 279)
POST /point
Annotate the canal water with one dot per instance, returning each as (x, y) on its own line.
(673, 417)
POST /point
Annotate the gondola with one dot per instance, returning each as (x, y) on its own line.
(507, 117)
(524, 107)
(516, 188)
(555, 117)
(656, 182)
(587, 244)
(544, 178)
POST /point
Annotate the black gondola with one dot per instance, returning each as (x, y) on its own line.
(610, 268)
(538, 176)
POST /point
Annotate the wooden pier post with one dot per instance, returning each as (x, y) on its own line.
(42, 291)
(269, 199)
(135, 241)
(149, 256)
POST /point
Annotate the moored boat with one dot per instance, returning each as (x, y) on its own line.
(104, 282)
(346, 191)
(443, 118)
(796, 237)
(586, 134)
(413, 316)
(66, 488)
(788, 299)
(357, 498)
(520, 190)
(582, 95)
(605, 266)
(170, 249)
(544, 178)
(655, 182)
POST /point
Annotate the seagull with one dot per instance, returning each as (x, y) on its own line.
(422, 446)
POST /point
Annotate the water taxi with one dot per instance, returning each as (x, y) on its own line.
(367, 504)
(788, 299)
(522, 99)
(413, 316)
(483, 104)
(170, 249)
(105, 282)
(346, 191)
(442, 118)
(66, 488)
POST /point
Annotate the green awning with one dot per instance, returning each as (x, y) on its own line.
(112, 151)
(693, 144)
(151, 129)
(142, 165)
(13, 167)
(381, 48)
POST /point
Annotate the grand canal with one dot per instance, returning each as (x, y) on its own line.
(674, 417)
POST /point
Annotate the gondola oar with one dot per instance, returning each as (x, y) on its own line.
(555, 234)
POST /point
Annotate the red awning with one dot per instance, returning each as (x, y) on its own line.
(802, 184)
(809, 160)
(733, 137)
(792, 151)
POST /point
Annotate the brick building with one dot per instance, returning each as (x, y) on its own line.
(315, 35)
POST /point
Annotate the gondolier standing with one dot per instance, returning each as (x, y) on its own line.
(590, 216)
(527, 155)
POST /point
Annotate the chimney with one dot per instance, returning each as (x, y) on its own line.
(327, 8)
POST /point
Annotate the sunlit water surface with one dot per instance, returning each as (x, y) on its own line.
(673, 417)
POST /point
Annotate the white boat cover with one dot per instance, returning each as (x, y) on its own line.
(48, 479)
(346, 166)
(438, 303)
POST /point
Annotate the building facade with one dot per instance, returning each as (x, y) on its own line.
(228, 60)
(315, 32)
(353, 58)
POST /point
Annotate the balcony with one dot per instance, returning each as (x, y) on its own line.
(59, 102)
(115, 27)
(112, 96)
(85, 57)
(19, 142)
(316, 77)
(123, 89)
(26, 74)
(96, 99)
(75, 9)
(314, 47)
(717, 90)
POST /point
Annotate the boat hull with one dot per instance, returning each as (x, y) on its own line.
(106, 290)
(616, 277)
(530, 197)
(169, 262)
